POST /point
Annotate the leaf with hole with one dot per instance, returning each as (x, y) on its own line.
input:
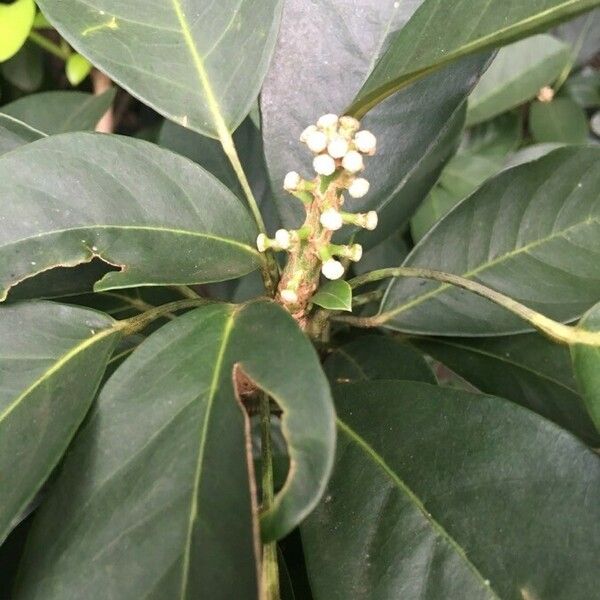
(439, 493)
(532, 232)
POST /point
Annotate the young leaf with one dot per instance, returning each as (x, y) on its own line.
(159, 478)
(417, 130)
(15, 133)
(334, 295)
(438, 493)
(373, 357)
(438, 34)
(198, 63)
(51, 363)
(16, 19)
(560, 121)
(159, 217)
(77, 68)
(527, 369)
(517, 74)
(532, 233)
(60, 112)
(586, 360)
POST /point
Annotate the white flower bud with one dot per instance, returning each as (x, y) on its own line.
(292, 181)
(371, 220)
(316, 141)
(283, 238)
(353, 162)
(332, 269)
(349, 123)
(337, 147)
(262, 242)
(365, 142)
(324, 164)
(356, 252)
(289, 296)
(327, 121)
(359, 187)
(304, 135)
(331, 219)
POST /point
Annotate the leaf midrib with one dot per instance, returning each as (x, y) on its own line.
(401, 485)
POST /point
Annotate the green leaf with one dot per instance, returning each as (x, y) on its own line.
(532, 232)
(584, 89)
(16, 20)
(373, 357)
(560, 121)
(422, 122)
(517, 74)
(530, 153)
(439, 493)
(527, 369)
(586, 360)
(60, 112)
(198, 63)
(334, 295)
(77, 68)
(25, 69)
(437, 35)
(158, 478)
(15, 133)
(51, 363)
(159, 217)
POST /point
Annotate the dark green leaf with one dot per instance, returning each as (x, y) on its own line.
(438, 34)
(417, 130)
(198, 63)
(52, 359)
(334, 295)
(158, 216)
(532, 232)
(584, 88)
(25, 70)
(154, 498)
(15, 133)
(560, 121)
(527, 369)
(583, 34)
(60, 112)
(517, 74)
(586, 360)
(439, 493)
(374, 357)
(530, 153)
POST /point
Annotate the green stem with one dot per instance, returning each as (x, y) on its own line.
(186, 291)
(43, 42)
(558, 332)
(269, 568)
(366, 298)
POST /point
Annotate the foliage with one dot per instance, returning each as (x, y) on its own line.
(190, 405)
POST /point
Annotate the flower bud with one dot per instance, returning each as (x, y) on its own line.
(349, 123)
(546, 94)
(365, 142)
(292, 181)
(371, 220)
(262, 242)
(332, 269)
(355, 252)
(316, 141)
(289, 296)
(337, 147)
(304, 135)
(353, 162)
(324, 164)
(327, 121)
(331, 219)
(359, 187)
(283, 238)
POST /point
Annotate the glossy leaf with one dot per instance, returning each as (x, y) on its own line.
(25, 69)
(586, 360)
(15, 133)
(561, 121)
(417, 130)
(159, 217)
(52, 360)
(438, 493)
(77, 68)
(530, 153)
(527, 369)
(437, 35)
(517, 74)
(334, 295)
(154, 497)
(374, 357)
(16, 19)
(60, 112)
(198, 63)
(532, 232)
